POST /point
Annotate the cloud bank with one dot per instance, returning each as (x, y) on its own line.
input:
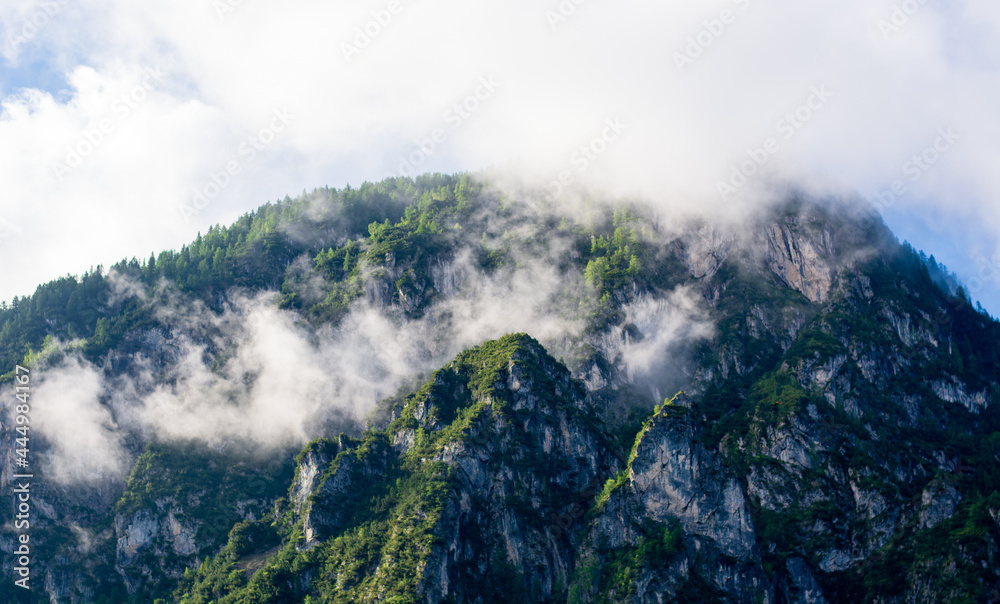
(174, 105)
(256, 374)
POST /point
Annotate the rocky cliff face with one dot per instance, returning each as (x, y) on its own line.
(520, 458)
(523, 475)
(838, 443)
(672, 478)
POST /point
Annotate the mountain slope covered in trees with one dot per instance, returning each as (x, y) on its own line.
(548, 404)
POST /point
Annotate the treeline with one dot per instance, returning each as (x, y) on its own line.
(393, 232)
(252, 253)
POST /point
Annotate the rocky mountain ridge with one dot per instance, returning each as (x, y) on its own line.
(837, 441)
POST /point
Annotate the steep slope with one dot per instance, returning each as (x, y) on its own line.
(472, 492)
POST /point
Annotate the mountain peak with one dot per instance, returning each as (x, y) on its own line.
(840, 416)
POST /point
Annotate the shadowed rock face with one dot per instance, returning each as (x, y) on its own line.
(802, 587)
(802, 263)
(673, 476)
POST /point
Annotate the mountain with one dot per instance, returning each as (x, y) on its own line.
(438, 390)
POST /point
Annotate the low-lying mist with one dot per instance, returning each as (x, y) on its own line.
(249, 371)
(257, 374)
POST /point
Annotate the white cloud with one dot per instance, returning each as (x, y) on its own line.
(652, 343)
(66, 411)
(253, 373)
(225, 75)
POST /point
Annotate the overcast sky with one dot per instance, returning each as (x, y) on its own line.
(116, 114)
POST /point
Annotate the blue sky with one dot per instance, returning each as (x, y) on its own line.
(116, 115)
(37, 74)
